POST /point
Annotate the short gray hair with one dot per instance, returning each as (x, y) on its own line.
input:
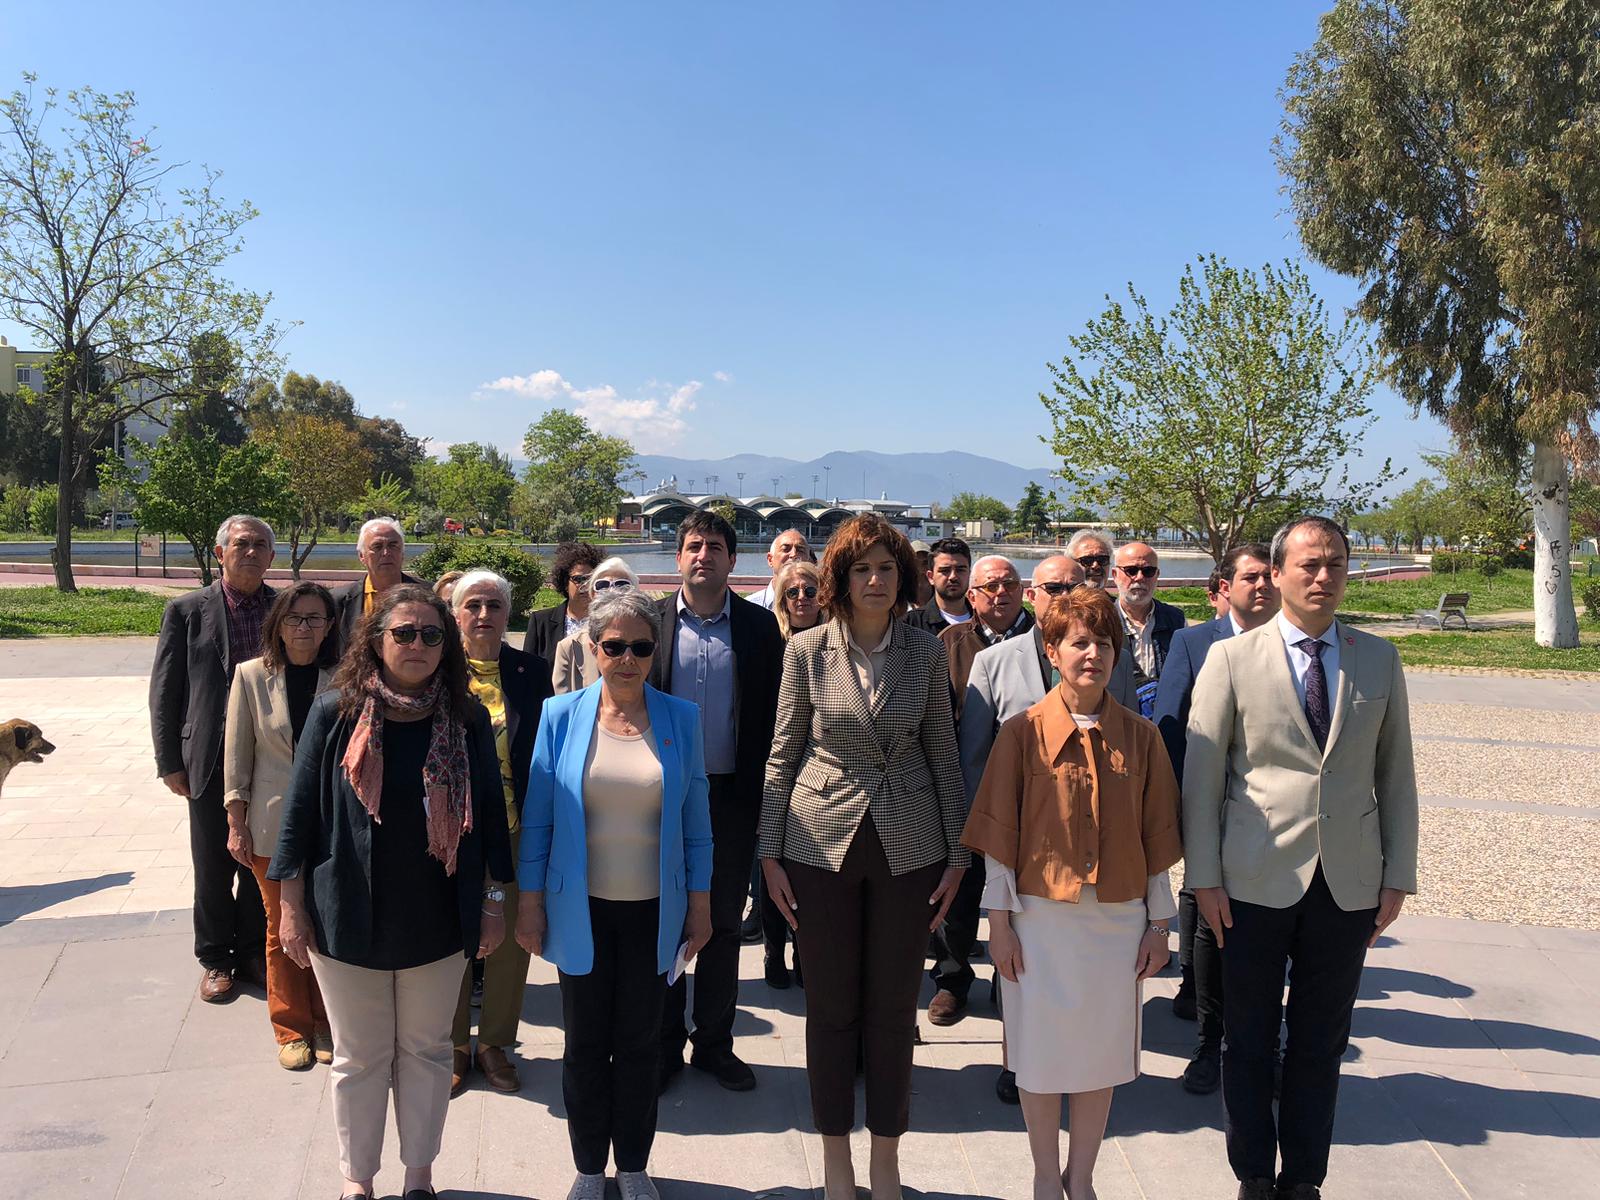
(612, 568)
(1099, 535)
(246, 519)
(472, 579)
(373, 526)
(618, 606)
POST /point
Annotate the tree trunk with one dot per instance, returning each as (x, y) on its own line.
(61, 556)
(1555, 620)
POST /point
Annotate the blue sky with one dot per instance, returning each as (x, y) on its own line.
(715, 228)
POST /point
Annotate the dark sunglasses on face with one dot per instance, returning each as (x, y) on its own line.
(605, 585)
(995, 586)
(616, 648)
(1057, 588)
(1137, 571)
(809, 592)
(404, 635)
(581, 581)
(313, 621)
(1094, 560)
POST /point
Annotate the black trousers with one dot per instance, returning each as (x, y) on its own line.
(716, 968)
(951, 944)
(1202, 965)
(862, 936)
(774, 929)
(1325, 948)
(612, 1018)
(230, 921)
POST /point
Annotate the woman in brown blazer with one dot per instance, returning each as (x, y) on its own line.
(861, 836)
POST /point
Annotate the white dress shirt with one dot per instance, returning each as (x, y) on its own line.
(1300, 661)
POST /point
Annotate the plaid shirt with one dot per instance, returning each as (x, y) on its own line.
(246, 615)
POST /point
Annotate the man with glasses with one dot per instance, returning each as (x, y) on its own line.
(381, 547)
(1092, 550)
(1149, 623)
(949, 572)
(787, 547)
(204, 636)
(569, 577)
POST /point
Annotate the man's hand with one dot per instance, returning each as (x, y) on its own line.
(1214, 909)
(1389, 902)
(531, 922)
(177, 783)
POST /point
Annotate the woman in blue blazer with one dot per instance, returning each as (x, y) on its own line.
(615, 879)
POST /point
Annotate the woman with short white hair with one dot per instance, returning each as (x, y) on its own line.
(575, 667)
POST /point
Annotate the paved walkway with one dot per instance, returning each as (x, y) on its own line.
(1474, 1071)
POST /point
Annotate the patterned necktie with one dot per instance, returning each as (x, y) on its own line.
(1317, 715)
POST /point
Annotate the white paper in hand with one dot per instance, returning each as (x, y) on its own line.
(680, 964)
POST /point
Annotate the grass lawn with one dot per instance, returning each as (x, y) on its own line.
(1497, 648)
(40, 611)
(1509, 591)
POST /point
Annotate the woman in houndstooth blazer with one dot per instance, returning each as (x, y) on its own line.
(861, 835)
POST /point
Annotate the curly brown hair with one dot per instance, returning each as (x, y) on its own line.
(853, 539)
(271, 629)
(1089, 607)
(361, 659)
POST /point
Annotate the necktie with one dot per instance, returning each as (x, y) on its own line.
(1317, 714)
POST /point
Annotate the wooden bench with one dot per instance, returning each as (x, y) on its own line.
(1451, 604)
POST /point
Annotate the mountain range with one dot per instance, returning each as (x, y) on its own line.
(847, 475)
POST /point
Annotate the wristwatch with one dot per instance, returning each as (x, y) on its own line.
(498, 895)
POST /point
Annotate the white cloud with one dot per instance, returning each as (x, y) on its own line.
(722, 377)
(652, 420)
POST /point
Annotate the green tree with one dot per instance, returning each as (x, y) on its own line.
(190, 485)
(971, 506)
(1244, 397)
(1033, 510)
(1487, 499)
(475, 483)
(1443, 152)
(213, 400)
(384, 496)
(328, 468)
(572, 468)
(111, 259)
(29, 452)
(395, 452)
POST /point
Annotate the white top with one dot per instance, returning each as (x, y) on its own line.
(1300, 661)
(953, 619)
(764, 597)
(1141, 639)
(575, 624)
(1234, 621)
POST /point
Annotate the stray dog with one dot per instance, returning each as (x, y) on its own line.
(20, 742)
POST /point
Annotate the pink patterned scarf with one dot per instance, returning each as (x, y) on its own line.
(446, 786)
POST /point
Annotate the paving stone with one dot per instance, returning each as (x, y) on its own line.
(72, 1141)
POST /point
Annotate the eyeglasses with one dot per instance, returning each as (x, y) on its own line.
(581, 580)
(1094, 560)
(807, 590)
(616, 648)
(605, 585)
(295, 620)
(1137, 571)
(1055, 587)
(404, 635)
(995, 586)
(384, 546)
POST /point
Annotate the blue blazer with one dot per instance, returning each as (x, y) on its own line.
(1185, 656)
(553, 857)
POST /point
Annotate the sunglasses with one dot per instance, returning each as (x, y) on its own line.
(1056, 588)
(1094, 560)
(295, 620)
(1136, 572)
(809, 592)
(995, 586)
(616, 648)
(404, 635)
(582, 581)
(605, 585)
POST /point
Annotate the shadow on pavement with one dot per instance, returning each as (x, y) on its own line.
(19, 901)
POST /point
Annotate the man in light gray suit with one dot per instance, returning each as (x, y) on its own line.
(1300, 842)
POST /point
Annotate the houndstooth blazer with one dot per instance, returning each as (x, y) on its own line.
(838, 755)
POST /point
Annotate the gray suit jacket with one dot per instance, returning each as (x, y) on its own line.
(836, 756)
(1262, 805)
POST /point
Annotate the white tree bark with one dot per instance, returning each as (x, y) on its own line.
(1555, 619)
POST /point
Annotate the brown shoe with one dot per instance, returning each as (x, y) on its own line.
(460, 1068)
(946, 1008)
(216, 985)
(497, 1069)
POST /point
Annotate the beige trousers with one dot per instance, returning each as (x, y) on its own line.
(389, 1027)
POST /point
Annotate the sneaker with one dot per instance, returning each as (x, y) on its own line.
(588, 1187)
(1005, 1088)
(295, 1055)
(749, 932)
(636, 1185)
(727, 1068)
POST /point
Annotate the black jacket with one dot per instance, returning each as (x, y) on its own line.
(327, 834)
(189, 686)
(758, 668)
(928, 617)
(546, 627)
(525, 679)
(349, 605)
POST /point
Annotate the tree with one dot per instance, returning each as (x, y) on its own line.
(328, 468)
(213, 402)
(112, 264)
(1244, 396)
(475, 482)
(1487, 499)
(970, 506)
(1033, 510)
(383, 497)
(395, 452)
(190, 485)
(29, 452)
(572, 468)
(1442, 153)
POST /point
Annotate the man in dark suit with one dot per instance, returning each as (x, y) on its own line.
(951, 569)
(1149, 622)
(725, 654)
(1245, 582)
(381, 547)
(569, 575)
(204, 636)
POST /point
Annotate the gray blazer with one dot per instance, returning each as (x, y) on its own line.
(1262, 805)
(836, 756)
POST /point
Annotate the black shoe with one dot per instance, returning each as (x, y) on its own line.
(1257, 1189)
(671, 1066)
(777, 974)
(1298, 1191)
(1183, 1003)
(1203, 1075)
(1005, 1087)
(750, 930)
(727, 1068)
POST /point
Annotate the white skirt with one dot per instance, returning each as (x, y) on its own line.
(1072, 1019)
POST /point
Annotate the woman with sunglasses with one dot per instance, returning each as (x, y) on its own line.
(615, 872)
(393, 845)
(574, 667)
(267, 708)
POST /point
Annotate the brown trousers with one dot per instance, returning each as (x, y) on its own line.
(505, 976)
(294, 1003)
(862, 940)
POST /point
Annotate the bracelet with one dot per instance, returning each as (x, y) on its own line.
(493, 912)
(1161, 929)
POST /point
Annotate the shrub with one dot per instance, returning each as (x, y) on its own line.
(42, 509)
(451, 553)
(1490, 567)
(1519, 558)
(14, 509)
(1591, 602)
(1447, 561)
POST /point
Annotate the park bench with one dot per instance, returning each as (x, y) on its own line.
(1451, 604)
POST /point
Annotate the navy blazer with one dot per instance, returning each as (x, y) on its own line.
(1185, 656)
(554, 854)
